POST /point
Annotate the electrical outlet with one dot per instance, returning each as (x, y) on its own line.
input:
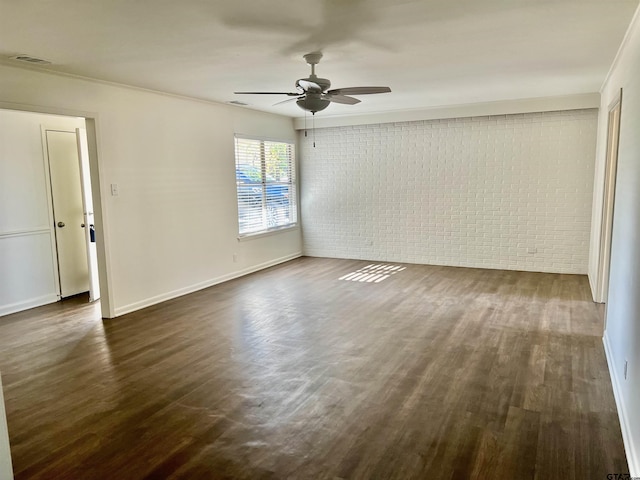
(626, 365)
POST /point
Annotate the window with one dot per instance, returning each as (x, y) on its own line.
(266, 185)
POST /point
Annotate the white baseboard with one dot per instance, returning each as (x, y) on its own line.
(27, 304)
(627, 438)
(132, 307)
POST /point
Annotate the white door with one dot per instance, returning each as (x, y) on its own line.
(64, 168)
(88, 219)
(6, 471)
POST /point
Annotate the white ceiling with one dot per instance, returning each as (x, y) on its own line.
(430, 52)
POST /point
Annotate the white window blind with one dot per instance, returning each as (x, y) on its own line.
(266, 185)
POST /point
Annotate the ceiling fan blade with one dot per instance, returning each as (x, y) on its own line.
(359, 90)
(341, 99)
(286, 101)
(307, 86)
(268, 93)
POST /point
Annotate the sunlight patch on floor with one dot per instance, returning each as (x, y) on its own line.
(374, 273)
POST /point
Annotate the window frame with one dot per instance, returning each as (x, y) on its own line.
(292, 185)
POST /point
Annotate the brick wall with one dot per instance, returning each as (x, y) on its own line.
(507, 191)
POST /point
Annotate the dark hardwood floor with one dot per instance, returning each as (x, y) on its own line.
(433, 373)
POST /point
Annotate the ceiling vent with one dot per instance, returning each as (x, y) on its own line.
(28, 59)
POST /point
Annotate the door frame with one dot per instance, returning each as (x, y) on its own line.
(608, 196)
(92, 124)
(87, 213)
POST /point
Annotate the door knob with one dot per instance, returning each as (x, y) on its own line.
(60, 224)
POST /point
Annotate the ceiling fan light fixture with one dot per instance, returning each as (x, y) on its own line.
(312, 103)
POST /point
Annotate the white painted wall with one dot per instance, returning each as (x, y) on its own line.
(622, 335)
(473, 192)
(27, 273)
(6, 470)
(173, 227)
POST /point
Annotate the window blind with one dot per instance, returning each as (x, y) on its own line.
(266, 186)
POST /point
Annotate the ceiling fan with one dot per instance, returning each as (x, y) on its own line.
(313, 94)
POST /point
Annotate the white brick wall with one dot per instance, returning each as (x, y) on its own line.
(508, 191)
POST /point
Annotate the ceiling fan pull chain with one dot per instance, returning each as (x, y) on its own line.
(313, 116)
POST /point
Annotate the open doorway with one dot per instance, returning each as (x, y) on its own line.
(65, 153)
(47, 243)
(611, 168)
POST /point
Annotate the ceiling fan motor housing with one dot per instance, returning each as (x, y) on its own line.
(324, 83)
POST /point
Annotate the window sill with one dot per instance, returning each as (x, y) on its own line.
(268, 233)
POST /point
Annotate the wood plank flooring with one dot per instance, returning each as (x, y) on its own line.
(433, 373)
